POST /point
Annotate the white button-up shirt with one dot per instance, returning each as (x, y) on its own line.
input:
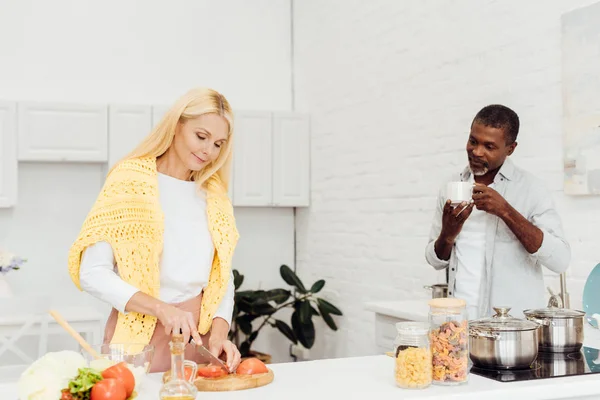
(513, 277)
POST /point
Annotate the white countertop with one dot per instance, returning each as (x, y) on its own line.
(365, 377)
(412, 310)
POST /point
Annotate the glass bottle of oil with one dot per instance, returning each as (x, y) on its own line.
(177, 387)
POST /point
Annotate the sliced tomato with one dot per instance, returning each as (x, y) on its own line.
(211, 371)
(251, 366)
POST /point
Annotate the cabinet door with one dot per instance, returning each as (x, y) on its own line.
(291, 160)
(62, 132)
(252, 153)
(8, 154)
(127, 127)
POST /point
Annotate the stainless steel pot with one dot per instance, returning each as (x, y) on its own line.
(561, 329)
(438, 290)
(503, 342)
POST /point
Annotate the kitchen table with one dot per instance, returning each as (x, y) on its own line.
(372, 377)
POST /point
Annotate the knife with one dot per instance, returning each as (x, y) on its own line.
(206, 357)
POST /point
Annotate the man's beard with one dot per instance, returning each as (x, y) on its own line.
(480, 171)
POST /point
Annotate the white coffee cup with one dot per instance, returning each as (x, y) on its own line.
(458, 192)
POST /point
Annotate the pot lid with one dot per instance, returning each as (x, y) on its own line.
(503, 322)
(553, 312)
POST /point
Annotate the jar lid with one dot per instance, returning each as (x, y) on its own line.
(502, 322)
(412, 328)
(447, 302)
(553, 312)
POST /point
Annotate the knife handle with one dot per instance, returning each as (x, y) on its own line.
(191, 337)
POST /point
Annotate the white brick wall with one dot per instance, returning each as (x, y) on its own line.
(392, 87)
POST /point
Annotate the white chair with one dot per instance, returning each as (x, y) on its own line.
(28, 316)
(20, 317)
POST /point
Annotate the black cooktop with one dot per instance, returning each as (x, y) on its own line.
(549, 365)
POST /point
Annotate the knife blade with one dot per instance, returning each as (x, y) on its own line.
(206, 357)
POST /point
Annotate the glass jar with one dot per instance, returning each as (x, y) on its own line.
(413, 355)
(177, 387)
(449, 341)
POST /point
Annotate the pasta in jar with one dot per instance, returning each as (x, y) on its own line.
(413, 365)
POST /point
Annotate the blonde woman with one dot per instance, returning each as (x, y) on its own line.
(158, 243)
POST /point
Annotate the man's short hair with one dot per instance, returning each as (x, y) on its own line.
(500, 117)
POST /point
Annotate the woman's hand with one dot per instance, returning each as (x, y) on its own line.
(220, 346)
(177, 321)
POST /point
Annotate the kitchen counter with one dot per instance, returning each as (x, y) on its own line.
(365, 377)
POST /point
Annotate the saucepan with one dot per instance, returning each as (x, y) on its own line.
(561, 329)
(503, 342)
(438, 290)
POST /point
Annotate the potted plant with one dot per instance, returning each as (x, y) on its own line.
(256, 309)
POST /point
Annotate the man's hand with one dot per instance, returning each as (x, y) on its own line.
(490, 201)
(453, 220)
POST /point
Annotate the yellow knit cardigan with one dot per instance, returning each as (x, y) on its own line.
(127, 215)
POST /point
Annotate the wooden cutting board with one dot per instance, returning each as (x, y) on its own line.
(231, 382)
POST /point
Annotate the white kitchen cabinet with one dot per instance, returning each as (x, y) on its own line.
(253, 162)
(388, 313)
(128, 125)
(271, 159)
(62, 132)
(291, 160)
(8, 154)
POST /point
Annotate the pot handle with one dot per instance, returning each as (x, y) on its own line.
(477, 333)
(543, 322)
(428, 287)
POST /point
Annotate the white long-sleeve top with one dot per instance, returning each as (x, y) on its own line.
(186, 258)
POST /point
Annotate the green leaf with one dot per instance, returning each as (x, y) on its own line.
(286, 330)
(279, 296)
(82, 384)
(253, 337)
(317, 286)
(244, 306)
(313, 311)
(250, 295)
(324, 305)
(329, 321)
(291, 278)
(304, 332)
(237, 279)
(244, 322)
(304, 312)
(245, 349)
(262, 308)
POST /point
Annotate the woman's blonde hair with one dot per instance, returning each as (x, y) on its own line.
(191, 105)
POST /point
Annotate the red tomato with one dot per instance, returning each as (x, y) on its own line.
(121, 373)
(251, 366)
(108, 389)
(65, 394)
(187, 373)
(211, 371)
